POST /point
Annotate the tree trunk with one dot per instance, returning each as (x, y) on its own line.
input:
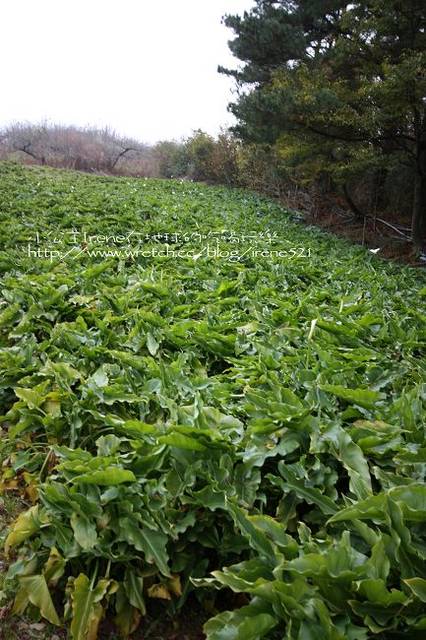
(378, 190)
(418, 222)
(358, 214)
(120, 155)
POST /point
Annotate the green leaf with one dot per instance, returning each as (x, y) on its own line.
(86, 608)
(356, 464)
(108, 445)
(275, 531)
(32, 398)
(181, 441)
(375, 591)
(110, 476)
(84, 531)
(371, 508)
(136, 429)
(152, 543)
(418, 587)
(133, 585)
(310, 494)
(128, 618)
(152, 344)
(256, 537)
(362, 397)
(245, 624)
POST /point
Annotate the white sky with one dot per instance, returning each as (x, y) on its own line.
(147, 68)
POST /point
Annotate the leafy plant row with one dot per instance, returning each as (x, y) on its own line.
(182, 426)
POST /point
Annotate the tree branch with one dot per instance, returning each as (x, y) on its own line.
(121, 154)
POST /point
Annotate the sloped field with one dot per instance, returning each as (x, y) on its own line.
(193, 382)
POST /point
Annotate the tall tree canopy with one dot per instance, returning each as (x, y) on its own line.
(339, 87)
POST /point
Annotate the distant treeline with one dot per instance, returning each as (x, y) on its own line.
(70, 147)
(221, 160)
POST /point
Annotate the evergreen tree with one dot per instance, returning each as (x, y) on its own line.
(338, 87)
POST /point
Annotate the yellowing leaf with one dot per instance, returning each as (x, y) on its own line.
(54, 568)
(159, 591)
(175, 586)
(25, 526)
(37, 592)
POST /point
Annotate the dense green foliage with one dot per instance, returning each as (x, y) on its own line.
(339, 88)
(224, 160)
(200, 157)
(186, 424)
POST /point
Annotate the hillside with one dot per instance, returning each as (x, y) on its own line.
(192, 382)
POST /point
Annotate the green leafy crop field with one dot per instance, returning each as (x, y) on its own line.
(204, 400)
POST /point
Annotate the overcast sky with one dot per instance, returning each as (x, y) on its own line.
(147, 68)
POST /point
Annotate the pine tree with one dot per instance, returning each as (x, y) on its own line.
(339, 87)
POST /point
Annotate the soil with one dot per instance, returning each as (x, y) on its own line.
(331, 214)
(187, 625)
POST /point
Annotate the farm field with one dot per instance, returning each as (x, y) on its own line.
(205, 406)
